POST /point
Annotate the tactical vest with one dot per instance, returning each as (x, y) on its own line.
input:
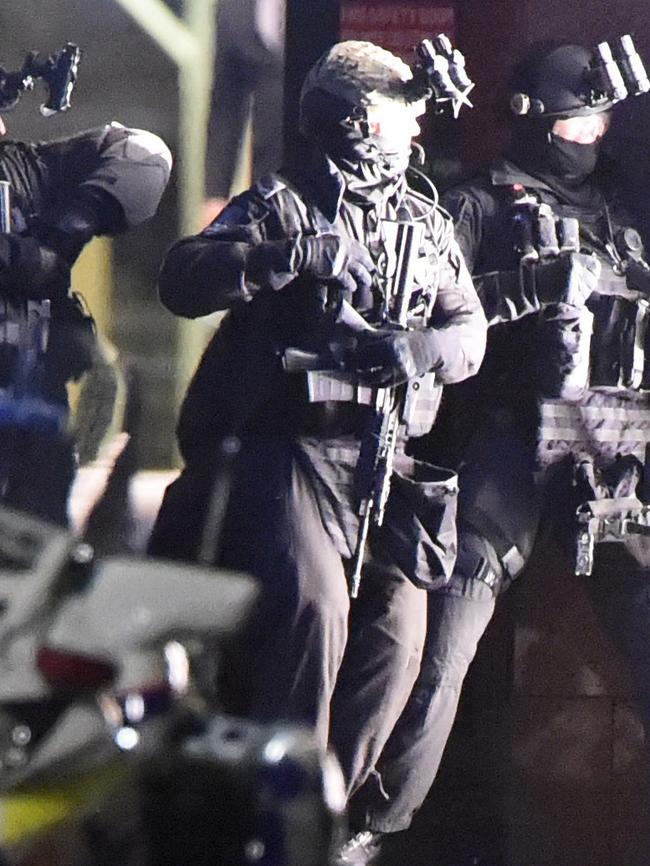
(43, 344)
(422, 394)
(610, 414)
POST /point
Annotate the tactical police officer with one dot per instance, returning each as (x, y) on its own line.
(560, 413)
(301, 263)
(61, 194)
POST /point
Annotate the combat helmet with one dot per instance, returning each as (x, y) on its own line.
(340, 91)
(574, 81)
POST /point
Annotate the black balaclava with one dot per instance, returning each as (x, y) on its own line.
(572, 161)
(348, 144)
(559, 83)
(566, 166)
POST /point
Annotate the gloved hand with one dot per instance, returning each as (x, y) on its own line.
(386, 358)
(617, 479)
(568, 279)
(67, 231)
(328, 257)
(332, 256)
(35, 270)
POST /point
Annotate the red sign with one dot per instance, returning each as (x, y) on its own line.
(397, 27)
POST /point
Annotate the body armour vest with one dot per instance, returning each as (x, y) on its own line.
(607, 412)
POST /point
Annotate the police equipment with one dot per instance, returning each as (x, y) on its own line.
(395, 408)
(572, 80)
(24, 325)
(377, 453)
(538, 232)
(623, 74)
(58, 72)
(440, 73)
(607, 520)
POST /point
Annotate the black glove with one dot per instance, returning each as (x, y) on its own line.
(568, 279)
(387, 358)
(330, 256)
(637, 275)
(68, 231)
(34, 270)
(619, 478)
(334, 257)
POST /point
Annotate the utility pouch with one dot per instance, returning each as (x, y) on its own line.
(418, 535)
(619, 344)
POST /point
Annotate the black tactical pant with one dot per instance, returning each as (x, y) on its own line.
(307, 638)
(458, 616)
(459, 613)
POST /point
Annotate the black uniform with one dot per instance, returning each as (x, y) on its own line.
(62, 192)
(291, 519)
(561, 401)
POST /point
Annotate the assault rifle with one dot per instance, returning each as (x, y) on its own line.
(393, 407)
(378, 448)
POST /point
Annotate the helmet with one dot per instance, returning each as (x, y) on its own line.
(357, 74)
(344, 89)
(564, 81)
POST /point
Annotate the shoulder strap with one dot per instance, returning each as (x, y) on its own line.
(295, 213)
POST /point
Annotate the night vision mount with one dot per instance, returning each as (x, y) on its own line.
(612, 75)
(620, 75)
(58, 72)
(440, 73)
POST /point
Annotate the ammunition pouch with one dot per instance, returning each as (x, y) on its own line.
(418, 536)
(620, 352)
(507, 295)
(618, 318)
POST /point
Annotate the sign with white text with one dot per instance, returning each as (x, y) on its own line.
(398, 27)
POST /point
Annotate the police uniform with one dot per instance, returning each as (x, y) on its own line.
(562, 396)
(291, 518)
(62, 193)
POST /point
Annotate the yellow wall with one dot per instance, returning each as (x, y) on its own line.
(92, 276)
